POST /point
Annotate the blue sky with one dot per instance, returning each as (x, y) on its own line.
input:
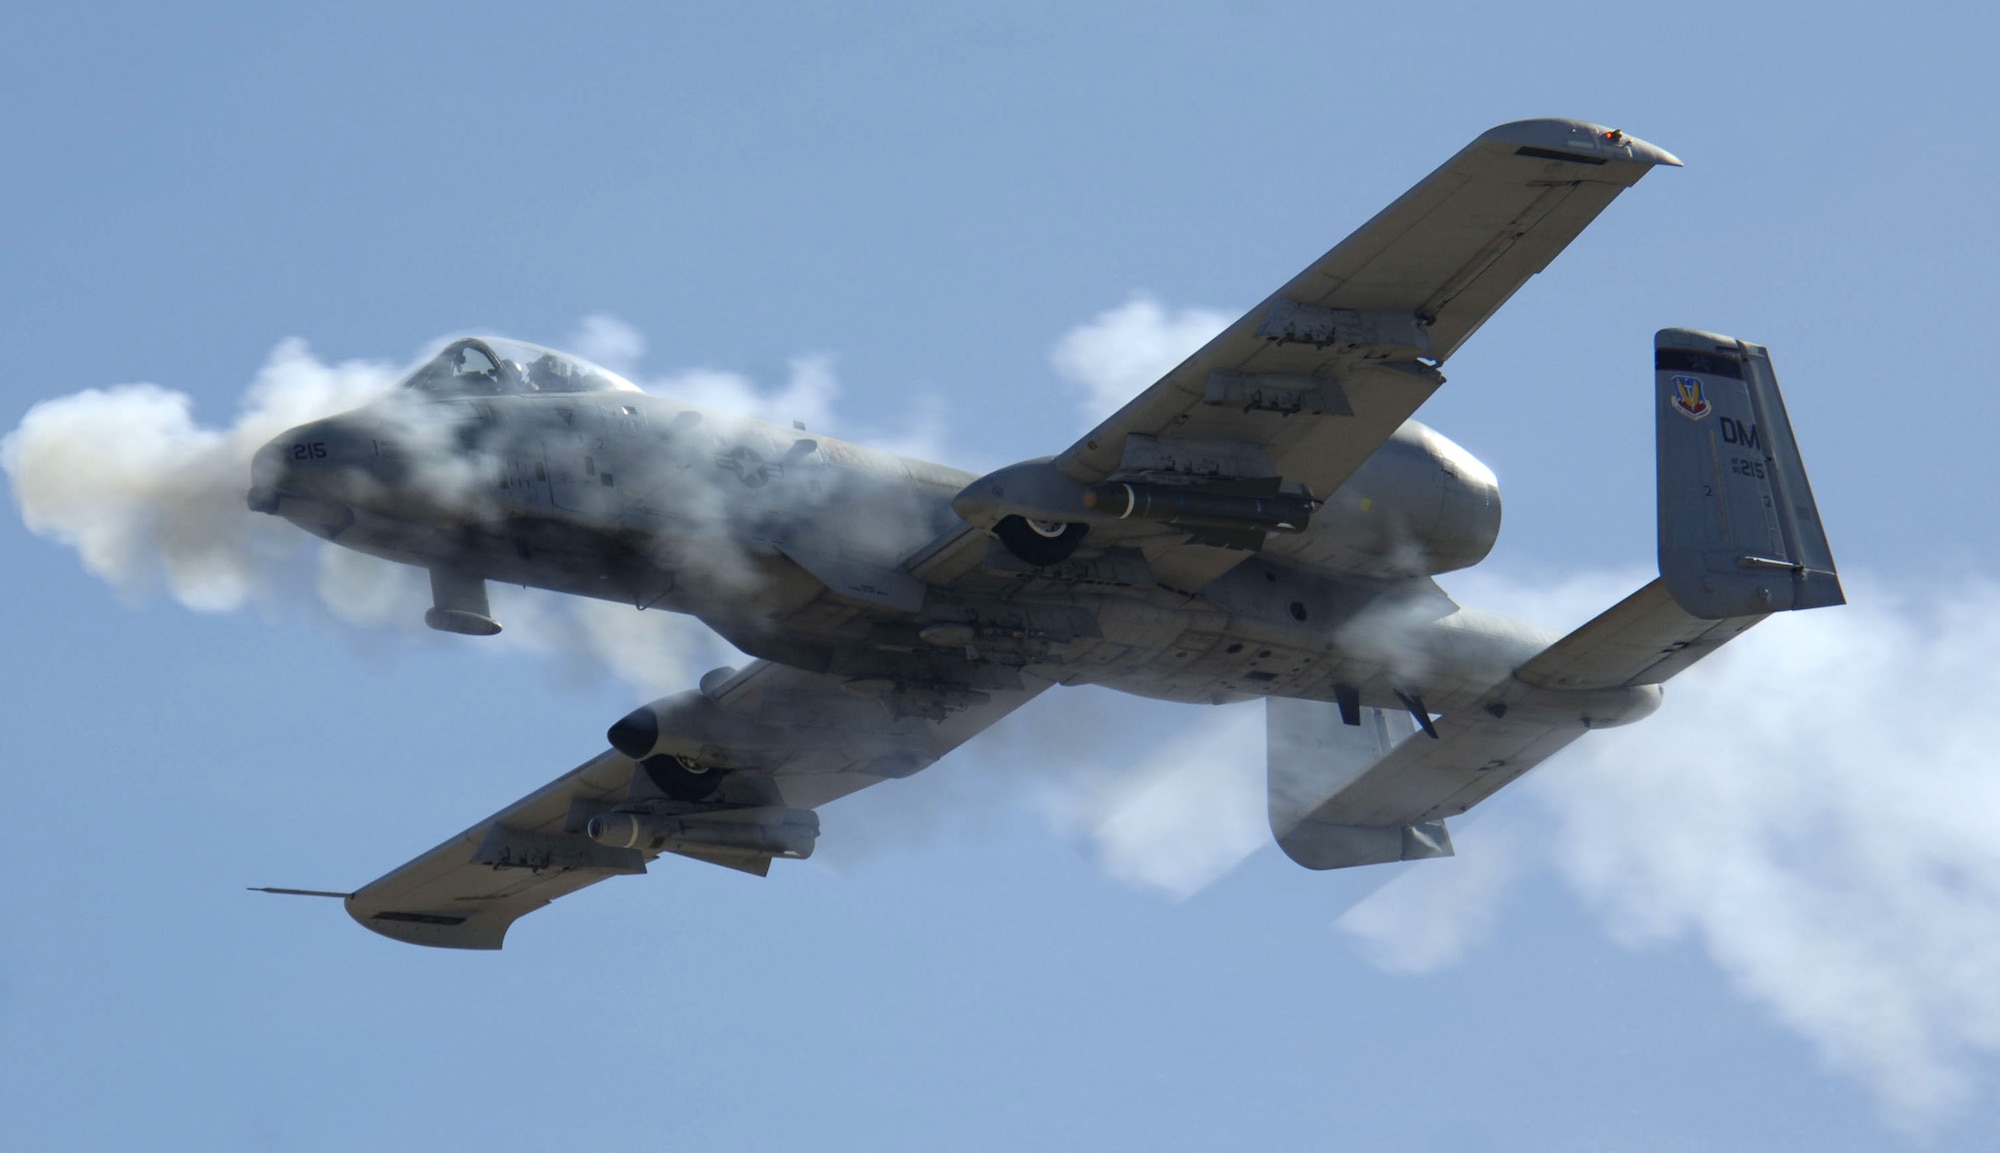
(1765, 919)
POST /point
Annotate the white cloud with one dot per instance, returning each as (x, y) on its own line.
(1123, 351)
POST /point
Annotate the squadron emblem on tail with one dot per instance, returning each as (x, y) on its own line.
(1688, 400)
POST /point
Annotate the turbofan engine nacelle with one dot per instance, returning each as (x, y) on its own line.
(688, 725)
(1419, 506)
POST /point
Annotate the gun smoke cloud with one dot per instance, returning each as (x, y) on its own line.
(168, 511)
(167, 514)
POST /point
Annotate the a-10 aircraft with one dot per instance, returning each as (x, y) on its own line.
(1265, 521)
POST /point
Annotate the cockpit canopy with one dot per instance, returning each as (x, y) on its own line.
(491, 366)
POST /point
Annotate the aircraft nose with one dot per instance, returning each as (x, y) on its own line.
(312, 462)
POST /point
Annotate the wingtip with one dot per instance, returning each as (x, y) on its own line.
(1579, 136)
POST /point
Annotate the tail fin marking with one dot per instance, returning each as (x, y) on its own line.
(1740, 534)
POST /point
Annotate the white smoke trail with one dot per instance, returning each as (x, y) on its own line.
(810, 394)
(168, 507)
(1171, 815)
(1429, 919)
(1803, 809)
(1813, 807)
(610, 342)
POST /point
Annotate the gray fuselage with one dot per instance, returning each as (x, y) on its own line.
(797, 548)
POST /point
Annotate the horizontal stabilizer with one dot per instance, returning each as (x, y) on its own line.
(1311, 755)
(1740, 534)
(1645, 639)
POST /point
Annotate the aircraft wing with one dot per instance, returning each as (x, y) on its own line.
(796, 739)
(1309, 383)
(1340, 356)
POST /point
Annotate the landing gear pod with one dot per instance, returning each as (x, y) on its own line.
(458, 605)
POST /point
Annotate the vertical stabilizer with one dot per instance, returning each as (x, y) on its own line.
(1740, 534)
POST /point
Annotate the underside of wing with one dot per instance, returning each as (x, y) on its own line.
(465, 893)
(1323, 371)
(1246, 437)
(730, 775)
(1645, 639)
